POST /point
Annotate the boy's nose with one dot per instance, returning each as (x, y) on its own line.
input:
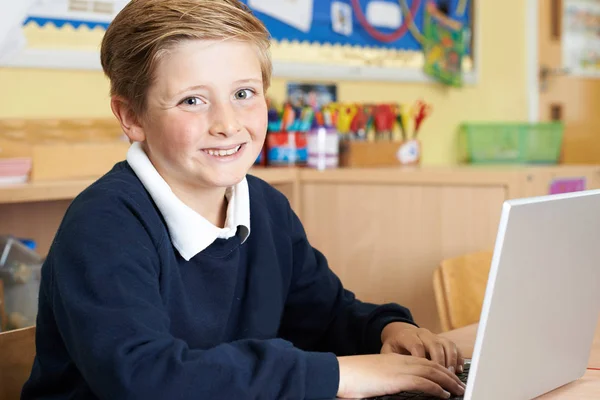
(224, 121)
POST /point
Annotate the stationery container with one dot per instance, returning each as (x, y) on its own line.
(323, 148)
(20, 269)
(379, 154)
(286, 148)
(528, 143)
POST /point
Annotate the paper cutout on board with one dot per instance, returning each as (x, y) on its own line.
(567, 185)
(341, 18)
(296, 13)
(382, 14)
(11, 18)
(445, 46)
(80, 10)
(581, 37)
(15, 43)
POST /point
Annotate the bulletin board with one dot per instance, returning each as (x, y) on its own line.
(307, 44)
(315, 24)
(329, 39)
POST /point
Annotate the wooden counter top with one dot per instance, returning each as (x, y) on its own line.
(491, 175)
(510, 176)
(68, 189)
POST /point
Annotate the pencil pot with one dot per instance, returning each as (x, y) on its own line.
(286, 148)
(323, 148)
(379, 154)
(486, 143)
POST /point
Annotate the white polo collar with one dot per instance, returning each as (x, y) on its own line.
(190, 232)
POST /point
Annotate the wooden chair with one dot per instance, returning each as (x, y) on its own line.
(3, 317)
(459, 286)
(17, 351)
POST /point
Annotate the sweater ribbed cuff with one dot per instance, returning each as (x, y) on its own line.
(322, 376)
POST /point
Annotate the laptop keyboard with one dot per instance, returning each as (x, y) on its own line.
(423, 396)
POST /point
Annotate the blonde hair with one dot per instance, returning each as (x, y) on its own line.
(146, 29)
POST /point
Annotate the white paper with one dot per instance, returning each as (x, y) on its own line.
(12, 15)
(82, 10)
(383, 14)
(15, 43)
(581, 37)
(296, 13)
(341, 18)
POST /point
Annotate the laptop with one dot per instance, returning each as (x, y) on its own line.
(542, 300)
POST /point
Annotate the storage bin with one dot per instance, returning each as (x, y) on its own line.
(20, 270)
(526, 143)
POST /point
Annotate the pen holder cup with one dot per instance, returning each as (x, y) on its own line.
(380, 154)
(323, 148)
(286, 148)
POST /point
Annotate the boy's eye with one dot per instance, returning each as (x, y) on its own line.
(244, 94)
(192, 101)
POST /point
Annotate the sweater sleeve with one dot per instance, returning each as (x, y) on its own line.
(107, 304)
(322, 315)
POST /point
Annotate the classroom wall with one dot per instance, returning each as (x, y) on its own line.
(500, 93)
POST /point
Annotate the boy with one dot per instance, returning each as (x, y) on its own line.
(176, 277)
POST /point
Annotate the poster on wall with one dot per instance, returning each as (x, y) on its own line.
(387, 24)
(92, 13)
(581, 37)
(355, 36)
(17, 16)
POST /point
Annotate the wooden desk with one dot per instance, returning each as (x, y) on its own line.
(588, 387)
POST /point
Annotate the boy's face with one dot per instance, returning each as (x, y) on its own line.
(206, 116)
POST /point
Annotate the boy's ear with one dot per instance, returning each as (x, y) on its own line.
(128, 119)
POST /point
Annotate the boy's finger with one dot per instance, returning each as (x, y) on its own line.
(436, 352)
(460, 361)
(425, 385)
(387, 348)
(443, 377)
(416, 347)
(451, 352)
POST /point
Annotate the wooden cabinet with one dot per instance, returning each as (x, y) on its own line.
(383, 230)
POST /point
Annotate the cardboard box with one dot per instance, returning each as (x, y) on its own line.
(379, 154)
(64, 149)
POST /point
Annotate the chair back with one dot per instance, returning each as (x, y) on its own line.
(459, 286)
(17, 351)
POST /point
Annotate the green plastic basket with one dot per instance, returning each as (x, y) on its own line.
(535, 143)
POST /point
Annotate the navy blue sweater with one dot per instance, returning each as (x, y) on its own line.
(123, 316)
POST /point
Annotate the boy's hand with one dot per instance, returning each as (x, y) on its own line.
(403, 338)
(381, 374)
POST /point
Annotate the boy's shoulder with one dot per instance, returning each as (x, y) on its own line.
(267, 200)
(119, 183)
(264, 193)
(117, 192)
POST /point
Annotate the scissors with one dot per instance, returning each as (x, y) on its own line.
(345, 116)
(404, 117)
(421, 111)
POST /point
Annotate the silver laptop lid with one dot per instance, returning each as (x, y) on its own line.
(542, 299)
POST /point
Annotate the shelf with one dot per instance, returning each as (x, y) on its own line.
(67, 190)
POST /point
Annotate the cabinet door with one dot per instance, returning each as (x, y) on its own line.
(385, 240)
